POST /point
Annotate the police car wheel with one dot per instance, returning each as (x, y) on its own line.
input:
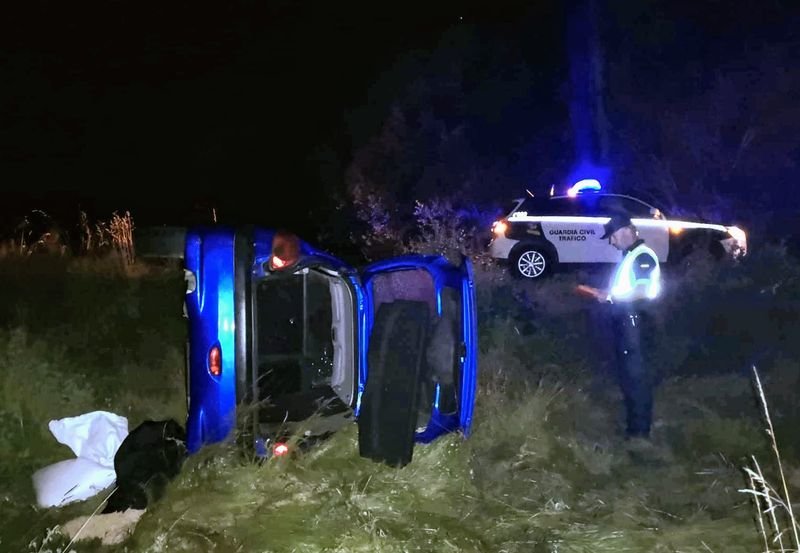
(531, 263)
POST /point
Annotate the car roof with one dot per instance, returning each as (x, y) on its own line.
(542, 200)
(610, 194)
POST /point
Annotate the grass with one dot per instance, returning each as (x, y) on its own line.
(74, 341)
(546, 468)
(774, 510)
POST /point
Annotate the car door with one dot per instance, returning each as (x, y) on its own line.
(594, 249)
(421, 354)
(655, 232)
(573, 228)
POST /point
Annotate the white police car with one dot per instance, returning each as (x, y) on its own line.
(538, 234)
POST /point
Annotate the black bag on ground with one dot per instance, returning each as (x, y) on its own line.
(149, 457)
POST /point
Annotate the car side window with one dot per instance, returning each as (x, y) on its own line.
(618, 204)
(564, 206)
(589, 206)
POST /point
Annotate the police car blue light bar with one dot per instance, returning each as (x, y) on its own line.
(582, 185)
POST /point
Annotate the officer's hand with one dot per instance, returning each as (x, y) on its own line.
(589, 291)
(595, 293)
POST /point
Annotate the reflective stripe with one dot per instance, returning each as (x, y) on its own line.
(666, 224)
(624, 281)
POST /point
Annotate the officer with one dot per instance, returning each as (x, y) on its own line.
(635, 282)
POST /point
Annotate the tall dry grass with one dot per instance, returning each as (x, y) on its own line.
(115, 235)
(775, 517)
(39, 233)
(36, 232)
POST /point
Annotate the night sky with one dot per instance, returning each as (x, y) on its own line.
(170, 108)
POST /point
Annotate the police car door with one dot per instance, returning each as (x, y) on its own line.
(573, 228)
(422, 354)
(654, 231)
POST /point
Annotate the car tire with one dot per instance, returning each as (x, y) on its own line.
(531, 262)
(388, 413)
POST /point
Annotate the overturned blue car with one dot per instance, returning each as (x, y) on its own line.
(281, 333)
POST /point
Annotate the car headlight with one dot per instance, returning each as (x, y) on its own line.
(738, 234)
(499, 227)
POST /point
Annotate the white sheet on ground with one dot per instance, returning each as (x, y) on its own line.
(94, 438)
(71, 480)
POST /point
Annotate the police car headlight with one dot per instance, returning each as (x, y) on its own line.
(738, 234)
(499, 227)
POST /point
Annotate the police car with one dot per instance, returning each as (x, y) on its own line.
(539, 234)
(284, 337)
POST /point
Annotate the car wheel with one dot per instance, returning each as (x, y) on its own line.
(531, 262)
(388, 415)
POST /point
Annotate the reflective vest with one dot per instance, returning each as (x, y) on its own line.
(629, 276)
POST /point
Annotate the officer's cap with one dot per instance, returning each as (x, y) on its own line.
(616, 222)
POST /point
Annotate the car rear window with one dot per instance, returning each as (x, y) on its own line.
(293, 314)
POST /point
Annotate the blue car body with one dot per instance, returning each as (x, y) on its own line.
(299, 337)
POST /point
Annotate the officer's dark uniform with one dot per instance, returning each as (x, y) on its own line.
(635, 282)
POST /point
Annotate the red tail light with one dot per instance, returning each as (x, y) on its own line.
(285, 250)
(280, 449)
(215, 361)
